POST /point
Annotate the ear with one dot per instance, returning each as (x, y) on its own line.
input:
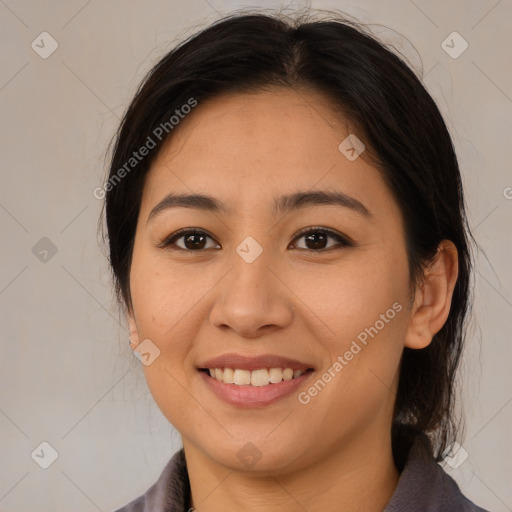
(132, 325)
(433, 297)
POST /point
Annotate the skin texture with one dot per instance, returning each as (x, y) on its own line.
(333, 453)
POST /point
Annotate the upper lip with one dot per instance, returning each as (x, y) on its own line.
(241, 362)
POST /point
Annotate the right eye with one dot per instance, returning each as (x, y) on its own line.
(193, 240)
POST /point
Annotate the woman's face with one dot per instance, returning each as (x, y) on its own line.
(256, 294)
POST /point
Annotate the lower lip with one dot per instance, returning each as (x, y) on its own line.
(253, 396)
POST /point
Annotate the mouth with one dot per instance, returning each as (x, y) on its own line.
(253, 381)
(259, 378)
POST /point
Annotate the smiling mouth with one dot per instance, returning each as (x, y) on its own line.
(257, 378)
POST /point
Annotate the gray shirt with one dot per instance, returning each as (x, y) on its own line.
(423, 486)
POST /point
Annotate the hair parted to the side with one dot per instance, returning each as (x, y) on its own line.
(405, 137)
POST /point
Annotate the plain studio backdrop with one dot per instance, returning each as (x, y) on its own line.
(68, 376)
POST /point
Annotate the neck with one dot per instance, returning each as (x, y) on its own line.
(360, 476)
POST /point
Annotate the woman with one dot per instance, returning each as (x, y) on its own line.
(288, 239)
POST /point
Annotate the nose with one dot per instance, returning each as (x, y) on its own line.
(252, 299)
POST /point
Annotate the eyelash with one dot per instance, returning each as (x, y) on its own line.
(343, 241)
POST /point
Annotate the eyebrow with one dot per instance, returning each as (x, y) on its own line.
(281, 206)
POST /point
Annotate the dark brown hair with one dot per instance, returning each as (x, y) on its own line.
(395, 116)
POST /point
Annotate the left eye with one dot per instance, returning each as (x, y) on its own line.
(315, 239)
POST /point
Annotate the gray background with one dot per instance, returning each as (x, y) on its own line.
(68, 375)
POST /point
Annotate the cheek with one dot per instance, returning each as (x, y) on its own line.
(167, 305)
(358, 312)
(159, 305)
(344, 299)
(171, 308)
(367, 320)
(164, 292)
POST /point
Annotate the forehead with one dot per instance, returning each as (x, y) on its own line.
(270, 125)
(247, 147)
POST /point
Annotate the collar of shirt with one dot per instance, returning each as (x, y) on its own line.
(423, 486)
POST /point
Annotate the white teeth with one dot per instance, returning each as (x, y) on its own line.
(261, 377)
(229, 376)
(275, 375)
(241, 377)
(288, 374)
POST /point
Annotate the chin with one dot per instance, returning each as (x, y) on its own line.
(256, 454)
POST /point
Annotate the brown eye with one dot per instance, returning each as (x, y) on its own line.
(316, 239)
(193, 240)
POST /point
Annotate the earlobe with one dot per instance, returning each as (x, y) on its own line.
(433, 297)
(132, 325)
